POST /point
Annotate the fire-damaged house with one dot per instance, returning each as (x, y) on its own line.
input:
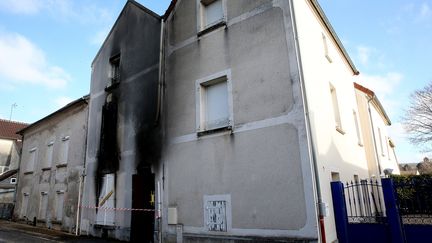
(220, 121)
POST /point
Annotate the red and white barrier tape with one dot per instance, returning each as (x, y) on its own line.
(118, 209)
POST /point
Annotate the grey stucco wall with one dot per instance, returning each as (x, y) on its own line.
(263, 163)
(60, 176)
(136, 36)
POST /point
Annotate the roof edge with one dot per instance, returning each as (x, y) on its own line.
(375, 101)
(155, 15)
(329, 27)
(76, 102)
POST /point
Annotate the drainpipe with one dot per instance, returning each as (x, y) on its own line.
(320, 207)
(373, 134)
(18, 172)
(160, 81)
(82, 177)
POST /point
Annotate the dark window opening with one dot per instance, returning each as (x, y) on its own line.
(115, 69)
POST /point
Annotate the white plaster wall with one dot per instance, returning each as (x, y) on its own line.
(335, 152)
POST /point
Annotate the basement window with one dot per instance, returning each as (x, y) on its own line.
(211, 15)
(214, 106)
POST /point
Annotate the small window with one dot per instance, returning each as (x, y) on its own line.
(212, 12)
(115, 69)
(356, 122)
(213, 104)
(326, 49)
(32, 159)
(336, 112)
(13, 180)
(49, 154)
(64, 150)
(335, 176)
(43, 206)
(381, 141)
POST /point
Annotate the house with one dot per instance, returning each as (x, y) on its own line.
(52, 163)
(379, 148)
(124, 138)
(220, 121)
(10, 150)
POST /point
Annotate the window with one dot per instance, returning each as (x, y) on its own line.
(49, 154)
(43, 205)
(217, 213)
(115, 69)
(106, 200)
(381, 141)
(32, 159)
(24, 205)
(359, 139)
(387, 147)
(13, 180)
(326, 51)
(212, 13)
(336, 111)
(59, 205)
(64, 150)
(335, 176)
(214, 103)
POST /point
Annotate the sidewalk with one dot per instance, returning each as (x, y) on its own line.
(48, 234)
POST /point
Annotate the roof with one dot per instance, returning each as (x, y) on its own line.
(329, 27)
(8, 129)
(82, 100)
(7, 174)
(134, 3)
(375, 101)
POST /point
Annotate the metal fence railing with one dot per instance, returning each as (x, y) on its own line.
(364, 202)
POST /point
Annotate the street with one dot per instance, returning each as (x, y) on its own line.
(14, 232)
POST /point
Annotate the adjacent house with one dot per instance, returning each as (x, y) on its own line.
(379, 148)
(51, 168)
(10, 150)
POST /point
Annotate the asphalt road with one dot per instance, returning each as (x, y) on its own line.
(14, 232)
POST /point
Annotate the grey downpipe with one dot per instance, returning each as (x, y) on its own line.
(311, 150)
(160, 79)
(18, 174)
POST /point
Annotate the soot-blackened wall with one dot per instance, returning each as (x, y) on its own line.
(123, 139)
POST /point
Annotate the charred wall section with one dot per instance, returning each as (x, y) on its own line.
(123, 139)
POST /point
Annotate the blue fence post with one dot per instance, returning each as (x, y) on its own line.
(340, 212)
(393, 217)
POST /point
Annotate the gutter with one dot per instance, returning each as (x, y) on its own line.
(320, 206)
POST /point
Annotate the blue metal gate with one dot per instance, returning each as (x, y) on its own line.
(370, 212)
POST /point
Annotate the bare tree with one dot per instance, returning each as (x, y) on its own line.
(418, 118)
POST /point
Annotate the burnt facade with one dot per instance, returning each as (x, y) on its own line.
(123, 135)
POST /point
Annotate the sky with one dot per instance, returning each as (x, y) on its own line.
(47, 46)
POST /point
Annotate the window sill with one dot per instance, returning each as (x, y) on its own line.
(360, 144)
(61, 165)
(46, 168)
(340, 130)
(328, 58)
(213, 131)
(215, 26)
(28, 172)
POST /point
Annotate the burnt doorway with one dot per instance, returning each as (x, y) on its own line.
(143, 191)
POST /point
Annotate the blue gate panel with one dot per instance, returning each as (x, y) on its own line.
(418, 233)
(362, 233)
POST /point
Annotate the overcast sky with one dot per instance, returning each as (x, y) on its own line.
(47, 47)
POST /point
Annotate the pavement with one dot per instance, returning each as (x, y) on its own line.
(17, 232)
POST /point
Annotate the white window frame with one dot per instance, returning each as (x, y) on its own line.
(326, 48)
(199, 91)
(201, 24)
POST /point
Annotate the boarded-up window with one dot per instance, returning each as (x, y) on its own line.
(64, 150)
(43, 206)
(49, 154)
(24, 205)
(32, 159)
(59, 205)
(106, 214)
(336, 111)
